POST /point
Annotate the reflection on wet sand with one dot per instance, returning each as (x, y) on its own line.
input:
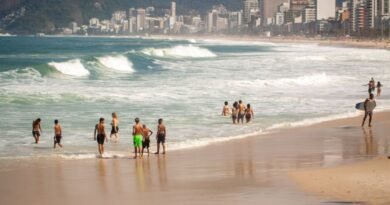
(371, 145)
(162, 172)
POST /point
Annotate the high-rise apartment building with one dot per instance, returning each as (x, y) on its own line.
(326, 9)
(249, 7)
(141, 15)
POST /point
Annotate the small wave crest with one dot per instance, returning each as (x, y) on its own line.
(72, 67)
(180, 51)
(118, 62)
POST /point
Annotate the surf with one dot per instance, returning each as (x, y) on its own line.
(118, 63)
(72, 68)
(180, 51)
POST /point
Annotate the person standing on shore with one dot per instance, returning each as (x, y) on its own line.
(57, 134)
(369, 106)
(101, 135)
(161, 135)
(379, 89)
(114, 126)
(225, 109)
(235, 112)
(249, 113)
(241, 112)
(137, 137)
(146, 138)
(36, 130)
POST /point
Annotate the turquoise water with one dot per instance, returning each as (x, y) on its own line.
(78, 80)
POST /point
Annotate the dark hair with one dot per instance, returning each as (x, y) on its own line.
(55, 121)
(136, 120)
(235, 104)
(101, 119)
(39, 119)
(371, 96)
(226, 103)
(240, 101)
(249, 105)
(143, 125)
(160, 121)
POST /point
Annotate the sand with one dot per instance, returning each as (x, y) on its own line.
(261, 169)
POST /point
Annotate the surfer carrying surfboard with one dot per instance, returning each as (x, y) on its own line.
(369, 106)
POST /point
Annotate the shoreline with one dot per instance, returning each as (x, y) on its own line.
(238, 171)
(332, 42)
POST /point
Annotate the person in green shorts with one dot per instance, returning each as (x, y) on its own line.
(137, 137)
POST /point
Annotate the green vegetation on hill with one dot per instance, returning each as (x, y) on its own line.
(46, 15)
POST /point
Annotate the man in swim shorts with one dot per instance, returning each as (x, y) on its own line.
(57, 134)
(137, 137)
(36, 129)
(241, 111)
(101, 135)
(146, 138)
(370, 102)
(161, 134)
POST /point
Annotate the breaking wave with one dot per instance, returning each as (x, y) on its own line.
(117, 62)
(180, 51)
(72, 67)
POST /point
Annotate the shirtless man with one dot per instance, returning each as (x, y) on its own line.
(137, 137)
(241, 112)
(114, 126)
(57, 134)
(146, 138)
(101, 135)
(36, 129)
(161, 134)
(226, 109)
(368, 112)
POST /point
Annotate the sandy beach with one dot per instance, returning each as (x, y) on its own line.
(287, 166)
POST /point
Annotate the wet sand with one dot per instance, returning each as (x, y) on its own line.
(254, 170)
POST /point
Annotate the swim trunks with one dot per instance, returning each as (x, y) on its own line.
(57, 139)
(114, 130)
(100, 139)
(36, 133)
(137, 140)
(146, 143)
(161, 138)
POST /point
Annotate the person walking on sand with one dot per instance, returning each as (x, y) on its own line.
(379, 89)
(225, 109)
(369, 106)
(137, 137)
(146, 138)
(57, 134)
(114, 126)
(36, 130)
(249, 115)
(101, 135)
(235, 112)
(161, 135)
(241, 111)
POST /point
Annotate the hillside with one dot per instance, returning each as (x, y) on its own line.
(46, 15)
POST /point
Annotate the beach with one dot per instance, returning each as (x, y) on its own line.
(281, 167)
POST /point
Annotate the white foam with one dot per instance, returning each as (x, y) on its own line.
(72, 67)
(117, 62)
(180, 51)
(191, 40)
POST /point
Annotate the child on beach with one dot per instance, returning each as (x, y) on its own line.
(57, 134)
(115, 128)
(146, 139)
(101, 135)
(36, 129)
(161, 134)
(137, 137)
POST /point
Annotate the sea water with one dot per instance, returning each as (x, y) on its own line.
(77, 80)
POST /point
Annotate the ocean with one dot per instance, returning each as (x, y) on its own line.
(77, 80)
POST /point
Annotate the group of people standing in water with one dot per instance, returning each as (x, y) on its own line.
(238, 112)
(141, 134)
(372, 86)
